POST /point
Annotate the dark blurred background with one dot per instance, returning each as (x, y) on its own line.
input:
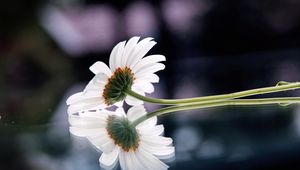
(212, 47)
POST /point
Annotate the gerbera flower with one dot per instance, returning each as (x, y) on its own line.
(128, 69)
(139, 147)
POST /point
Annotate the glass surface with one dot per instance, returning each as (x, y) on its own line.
(215, 138)
(221, 139)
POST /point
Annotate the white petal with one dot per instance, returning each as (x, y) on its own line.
(151, 69)
(157, 140)
(100, 79)
(74, 97)
(150, 161)
(83, 106)
(97, 83)
(155, 131)
(162, 152)
(133, 101)
(109, 160)
(153, 78)
(99, 140)
(145, 86)
(108, 146)
(95, 86)
(120, 112)
(149, 123)
(100, 114)
(137, 163)
(140, 51)
(131, 165)
(129, 48)
(92, 93)
(119, 104)
(81, 132)
(147, 61)
(86, 122)
(87, 99)
(113, 55)
(118, 60)
(135, 112)
(122, 160)
(100, 67)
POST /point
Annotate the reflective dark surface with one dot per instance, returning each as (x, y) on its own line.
(212, 47)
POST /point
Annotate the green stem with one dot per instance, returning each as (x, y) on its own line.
(234, 102)
(281, 86)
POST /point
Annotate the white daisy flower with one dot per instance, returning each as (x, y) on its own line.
(139, 147)
(128, 69)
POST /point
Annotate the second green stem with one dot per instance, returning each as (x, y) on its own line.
(234, 102)
(281, 86)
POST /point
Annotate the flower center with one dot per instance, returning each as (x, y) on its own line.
(122, 133)
(121, 80)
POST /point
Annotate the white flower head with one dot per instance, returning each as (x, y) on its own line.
(128, 70)
(139, 147)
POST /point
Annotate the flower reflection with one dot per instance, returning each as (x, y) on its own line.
(112, 132)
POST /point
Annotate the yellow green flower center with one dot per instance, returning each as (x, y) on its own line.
(114, 90)
(122, 133)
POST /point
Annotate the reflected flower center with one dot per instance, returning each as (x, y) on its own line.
(122, 133)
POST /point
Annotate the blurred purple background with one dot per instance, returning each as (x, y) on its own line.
(212, 47)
